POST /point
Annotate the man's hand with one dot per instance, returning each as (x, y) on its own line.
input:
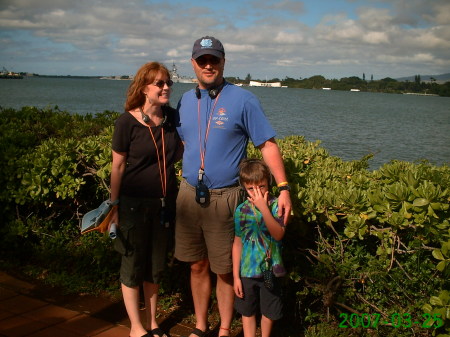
(284, 206)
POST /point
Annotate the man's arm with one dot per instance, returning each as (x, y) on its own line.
(272, 157)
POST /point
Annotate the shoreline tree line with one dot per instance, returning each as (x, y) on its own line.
(385, 85)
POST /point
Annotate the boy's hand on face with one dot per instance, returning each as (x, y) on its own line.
(257, 197)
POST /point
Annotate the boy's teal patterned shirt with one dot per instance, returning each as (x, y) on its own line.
(252, 230)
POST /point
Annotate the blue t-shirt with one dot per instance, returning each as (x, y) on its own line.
(256, 239)
(237, 116)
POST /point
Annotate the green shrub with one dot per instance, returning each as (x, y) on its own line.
(56, 168)
(367, 242)
(360, 241)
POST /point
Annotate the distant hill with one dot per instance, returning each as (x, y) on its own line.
(426, 78)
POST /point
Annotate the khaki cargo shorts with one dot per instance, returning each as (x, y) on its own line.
(206, 232)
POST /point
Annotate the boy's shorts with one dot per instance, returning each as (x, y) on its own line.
(206, 232)
(257, 298)
(142, 240)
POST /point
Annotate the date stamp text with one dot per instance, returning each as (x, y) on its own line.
(395, 320)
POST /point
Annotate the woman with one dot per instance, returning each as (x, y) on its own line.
(144, 149)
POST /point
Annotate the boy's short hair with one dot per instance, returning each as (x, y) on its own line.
(254, 171)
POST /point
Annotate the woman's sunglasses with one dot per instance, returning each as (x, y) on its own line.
(160, 84)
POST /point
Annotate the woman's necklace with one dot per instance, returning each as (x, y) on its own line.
(146, 118)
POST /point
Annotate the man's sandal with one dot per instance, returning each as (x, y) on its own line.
(199, 332)
(158, 332)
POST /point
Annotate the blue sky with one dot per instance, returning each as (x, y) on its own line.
(263, 38)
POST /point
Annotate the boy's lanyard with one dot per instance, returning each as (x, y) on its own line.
(202, 145)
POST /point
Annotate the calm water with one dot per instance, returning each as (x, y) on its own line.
(349, 124)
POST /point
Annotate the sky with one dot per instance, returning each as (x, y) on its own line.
(264, 38)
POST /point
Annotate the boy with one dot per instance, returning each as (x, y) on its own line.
(257, 250)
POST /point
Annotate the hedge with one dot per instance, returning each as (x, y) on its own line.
(368, 252)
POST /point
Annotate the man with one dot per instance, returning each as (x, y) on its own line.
(216, 121)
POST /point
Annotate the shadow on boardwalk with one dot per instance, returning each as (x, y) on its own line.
(28, 308)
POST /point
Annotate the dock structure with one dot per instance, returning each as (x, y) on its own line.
(9, 74)
(265, 84)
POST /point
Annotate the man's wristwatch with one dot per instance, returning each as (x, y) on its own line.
(284, 188)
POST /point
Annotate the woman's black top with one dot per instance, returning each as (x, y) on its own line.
(142, 175)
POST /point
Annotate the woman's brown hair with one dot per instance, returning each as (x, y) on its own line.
(144, 76)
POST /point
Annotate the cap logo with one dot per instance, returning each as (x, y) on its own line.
(206, 43)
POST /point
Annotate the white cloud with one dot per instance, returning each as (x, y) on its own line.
(442, 15)
(239, 48)
(272, 38)
(173, 53)
(421, 57)
(133, 42)
(374, 18)
(289, 38)
(376, 37)
(284, 63)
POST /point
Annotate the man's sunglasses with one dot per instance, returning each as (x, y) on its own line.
(203, 60)
(160, 84)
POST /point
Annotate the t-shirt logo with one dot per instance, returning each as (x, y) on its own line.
(220, 119)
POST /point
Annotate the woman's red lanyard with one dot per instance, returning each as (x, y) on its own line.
(202, 145)
(162, 168)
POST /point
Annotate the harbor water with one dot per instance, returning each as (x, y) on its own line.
(350, 125)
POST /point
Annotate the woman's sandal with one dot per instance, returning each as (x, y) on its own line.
(199, 332)
(158, 332)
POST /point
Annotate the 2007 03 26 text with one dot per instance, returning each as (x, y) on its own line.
(395, 320)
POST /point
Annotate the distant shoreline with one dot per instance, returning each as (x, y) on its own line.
(387, 85)
(64, 76)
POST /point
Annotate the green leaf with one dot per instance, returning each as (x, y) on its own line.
(420, 202)
(441, 265)
(349, 232)
(431, 212)
(427, 308)
(444, 295)
(333, 217)
(438, 254)
(381, 250)
(434, 300)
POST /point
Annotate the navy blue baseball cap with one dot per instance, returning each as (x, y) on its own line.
(208, 45)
